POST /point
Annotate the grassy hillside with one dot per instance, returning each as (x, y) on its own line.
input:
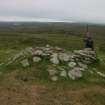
(15, 90)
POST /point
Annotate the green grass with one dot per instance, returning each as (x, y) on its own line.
(83, 91)
(12, 42)
(95, 98)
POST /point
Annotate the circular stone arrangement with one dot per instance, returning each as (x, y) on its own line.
(64, 63)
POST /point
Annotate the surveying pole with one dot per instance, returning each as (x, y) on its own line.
(87, 28)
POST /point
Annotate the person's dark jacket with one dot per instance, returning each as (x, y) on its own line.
(89, 43)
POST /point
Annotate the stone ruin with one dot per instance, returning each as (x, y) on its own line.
(66, 64)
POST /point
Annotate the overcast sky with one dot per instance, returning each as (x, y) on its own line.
(53, 10)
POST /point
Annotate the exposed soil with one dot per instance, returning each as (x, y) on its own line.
(17, 92)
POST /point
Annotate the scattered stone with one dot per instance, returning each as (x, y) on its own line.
(63, 73)
(25, 63)
(54, 78)
(101, 74)
(36, 59)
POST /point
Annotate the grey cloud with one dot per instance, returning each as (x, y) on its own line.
(62, 10)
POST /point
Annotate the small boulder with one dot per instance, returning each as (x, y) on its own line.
(36, 59)
(25, 63)
(63, 73)
(54, 78)
(72, 64)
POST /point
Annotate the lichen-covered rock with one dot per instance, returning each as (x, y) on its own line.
(36, 59)
(75, 73)
(72, 64)
(25, 63)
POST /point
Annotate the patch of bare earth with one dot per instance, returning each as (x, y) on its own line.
(17, 92)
